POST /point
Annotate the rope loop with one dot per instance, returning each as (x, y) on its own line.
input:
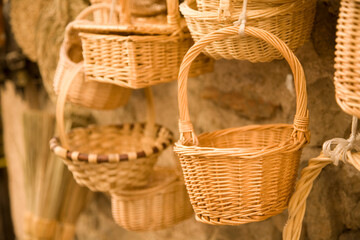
(242, 19)
(336, 149)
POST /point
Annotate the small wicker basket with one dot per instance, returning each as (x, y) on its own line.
(138, 53)
(103, 158)
(245, 174)
(347, 59)
(89, 94)
(161, 204)
(141, 7)
(291, 22)
(232, 6)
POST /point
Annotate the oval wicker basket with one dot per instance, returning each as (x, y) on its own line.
(110, 157)
(161, 204)
(291, 22)
(137, 55)
(347, 59)
(244, 174)
(141, 7)
(89, 94)
(233, 6)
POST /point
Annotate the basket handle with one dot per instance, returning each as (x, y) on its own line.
(90, 10)
(187, 135)
(224, 12)
(173, 14)
(61, 100)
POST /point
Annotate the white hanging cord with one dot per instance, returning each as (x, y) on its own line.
(242, 19)
(336, 149)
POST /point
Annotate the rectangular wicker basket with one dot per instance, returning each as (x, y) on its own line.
(138, 61)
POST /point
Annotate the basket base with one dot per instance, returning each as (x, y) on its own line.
(238, 221)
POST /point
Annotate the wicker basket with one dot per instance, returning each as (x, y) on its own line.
(137, 55)
(110, 157)
(232, 6)
(243, 174)
(82, 92)
(141, 7)
(291, 22)
(161, 204)
(347, 59)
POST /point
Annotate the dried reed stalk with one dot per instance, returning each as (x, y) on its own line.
(12, 109)
(54, 201)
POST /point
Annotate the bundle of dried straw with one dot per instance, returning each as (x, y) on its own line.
(54, 200)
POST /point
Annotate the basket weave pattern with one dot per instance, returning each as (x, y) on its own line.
(137, 61)
(96, 160)
(252, 189)
(160, 205)
(110, 157)
(86, 93)
(292, 23)
(236, 5)
(243, 174)
(347, 75)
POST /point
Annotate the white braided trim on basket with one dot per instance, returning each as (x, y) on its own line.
(334, 150)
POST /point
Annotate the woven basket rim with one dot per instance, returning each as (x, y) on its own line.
(59, 150)
(168, 182)
(290, 145)
(187, 9)
(136, 36)
(160, 26)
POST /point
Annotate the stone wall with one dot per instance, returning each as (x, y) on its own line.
(239, 93)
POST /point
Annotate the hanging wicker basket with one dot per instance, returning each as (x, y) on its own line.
(113, 156)
(347, 59)
(83, 92)
(163, 203)
(233, 6)
(137, 53)
(141, 7)
(291, 22)
(244, 174)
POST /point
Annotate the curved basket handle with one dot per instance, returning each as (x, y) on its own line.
(91, 9)
(60, 107)
(224, 12)
(187, 135)
(125, 11)
(173, 13)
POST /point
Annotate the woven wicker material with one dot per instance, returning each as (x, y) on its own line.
(161, 204)
(142, 7)
(137, 60)
(290, 22)
(107, 157)
(140, 60)
(243, 174)
(236, 5)
(347, 59)
(110, 157)
(82, 92)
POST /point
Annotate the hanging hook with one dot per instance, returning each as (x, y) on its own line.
(336, 149)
